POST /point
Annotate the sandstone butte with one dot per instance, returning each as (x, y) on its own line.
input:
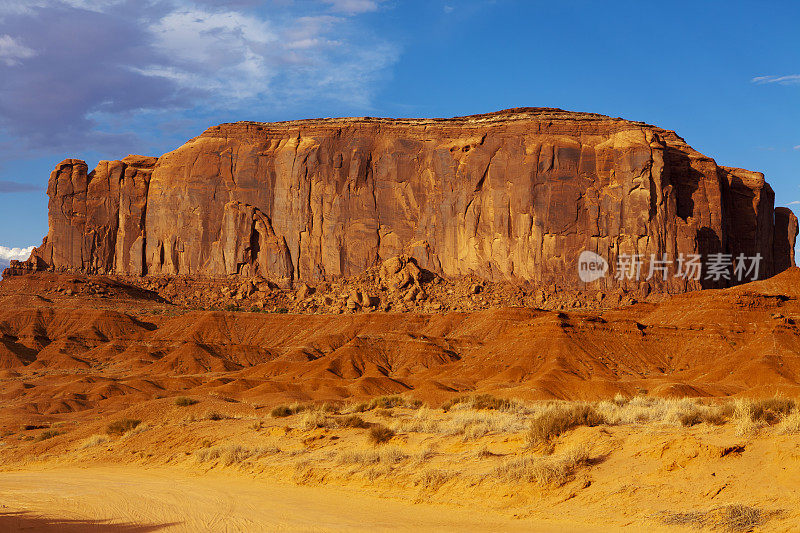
(513, 195)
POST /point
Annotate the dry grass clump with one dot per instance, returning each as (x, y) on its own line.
(388, 456)
(790, 424)
(140, 428)
(380, 434)
(233, 454)
(351, 421)
(686, 412)
(689, 412)
(475, 424)
(751, 415)
(94, 440)
(554, 470)
(421, 422)
(432, 479)
(183, 401)
(216, 416)
(561, 418)
(282, 411)
(122, 426)
(733, 518)
(385, 402)
(313, 420)
(479, 402)
(47, 434)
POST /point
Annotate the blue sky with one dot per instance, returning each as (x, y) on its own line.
(98, 79)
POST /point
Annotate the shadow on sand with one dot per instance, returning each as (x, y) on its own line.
(24, 521)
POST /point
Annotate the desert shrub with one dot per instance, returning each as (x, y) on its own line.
(478, 402)
(141, 428)
(282, 411)
(733, 518)
(122, 426)
(387, 402)
(215, 416)
(234, 454)
(421, 422)
(771, 410)
(790, 424)
(351, 421)
(313, 420)
(231, 307)
(281, 310)
(379, 434)
(183, 401)
(359, 457)
(48, 434)
(384, 413)
(547, 471)
(207, 454)
(94, 440)
(560, 419)
(750, 414)
(694, 413)
(433, 478)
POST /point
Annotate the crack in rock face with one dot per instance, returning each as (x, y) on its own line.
(515, 196)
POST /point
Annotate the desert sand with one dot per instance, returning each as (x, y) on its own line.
(122, 411)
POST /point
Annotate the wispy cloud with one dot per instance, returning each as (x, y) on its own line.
(790, 79)
(796, 202)
(125, 65)
(12, 52)
(797, 147)
(353, 7)
(7, 186)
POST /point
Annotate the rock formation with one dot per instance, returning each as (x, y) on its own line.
(514, 195)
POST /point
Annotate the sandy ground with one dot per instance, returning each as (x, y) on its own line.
(130, 499)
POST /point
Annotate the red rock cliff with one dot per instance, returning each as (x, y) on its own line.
(516, 194)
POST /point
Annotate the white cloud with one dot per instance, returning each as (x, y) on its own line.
(212, 52)
(791, 79)
(9, 254)
(797, 147)
(796, 202)
(12, 52)
(237, 56)
(353, 7)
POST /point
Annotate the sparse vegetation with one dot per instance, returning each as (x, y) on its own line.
(560, 419)
(122, 426)
(233, 454)
(48, 434)
(282, 411)
(380, 434)
(751, 415)
(94, 440)
(555, 470)
(183, 401)
(732, 518)
(479, 402)
(351, 421)
(385, 402)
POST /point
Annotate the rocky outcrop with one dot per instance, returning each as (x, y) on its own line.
(97, 219)
(513, 195)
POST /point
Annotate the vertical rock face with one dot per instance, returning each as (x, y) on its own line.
(97, 219)
(513, 195)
